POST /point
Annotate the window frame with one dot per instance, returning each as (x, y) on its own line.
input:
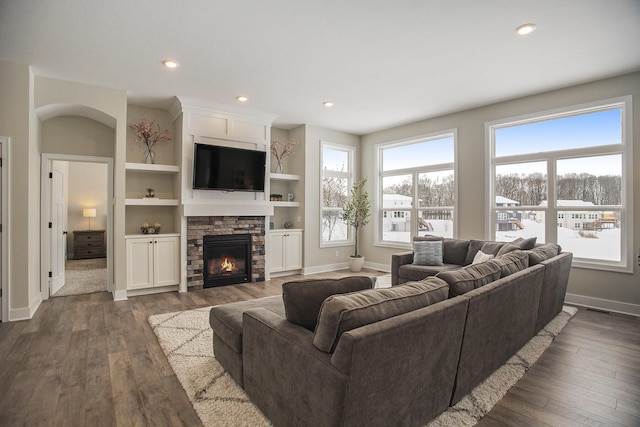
(414, 171)
(552, 210)
(350, 175)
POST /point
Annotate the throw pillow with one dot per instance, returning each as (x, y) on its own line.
(427, 252)
(342, 313)
(481, 257)
(303, 299)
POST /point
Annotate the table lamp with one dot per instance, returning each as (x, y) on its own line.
(89, 213)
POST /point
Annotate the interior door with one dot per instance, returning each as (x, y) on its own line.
(59, 224)
(1, 216)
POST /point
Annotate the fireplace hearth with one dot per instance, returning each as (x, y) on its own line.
(226, 259)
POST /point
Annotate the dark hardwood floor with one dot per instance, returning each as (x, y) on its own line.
(89, 361)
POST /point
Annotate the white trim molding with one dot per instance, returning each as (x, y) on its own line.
(603, 304)
(25, 313)
(5, 285)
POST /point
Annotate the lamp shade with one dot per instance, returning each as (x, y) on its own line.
(89, 213)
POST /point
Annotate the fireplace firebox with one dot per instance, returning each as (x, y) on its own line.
(226, 259)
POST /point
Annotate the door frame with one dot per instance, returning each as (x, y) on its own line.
(45, 215)
(5, 218)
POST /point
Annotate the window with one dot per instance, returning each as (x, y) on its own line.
(416, 188)
(337, 171)
(570, 174)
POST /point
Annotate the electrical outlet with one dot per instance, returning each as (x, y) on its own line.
(337, 253)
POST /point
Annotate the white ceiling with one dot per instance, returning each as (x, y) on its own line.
(384, 63)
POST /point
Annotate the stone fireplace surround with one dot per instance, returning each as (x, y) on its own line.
(200, 226)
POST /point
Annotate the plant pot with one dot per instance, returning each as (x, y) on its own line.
(355, 263)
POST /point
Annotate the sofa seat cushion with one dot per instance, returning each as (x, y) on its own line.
(341, 313)
(470, 277)
(412, 272)
(303, 299)
(226, 319)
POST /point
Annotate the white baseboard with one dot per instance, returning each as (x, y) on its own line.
(376, 266)
(119, 295)
(325, 268)
(603, 304)
(285, 273)
(26, 313)
(149, 291)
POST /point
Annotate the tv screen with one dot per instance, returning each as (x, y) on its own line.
(228, 169)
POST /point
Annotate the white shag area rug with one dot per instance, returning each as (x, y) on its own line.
(186, 339)
(79, 282)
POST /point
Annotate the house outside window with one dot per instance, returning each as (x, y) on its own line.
(416, 188)
(337, 177)
(570, 171)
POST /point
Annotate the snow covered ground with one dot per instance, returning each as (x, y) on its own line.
(606, 245)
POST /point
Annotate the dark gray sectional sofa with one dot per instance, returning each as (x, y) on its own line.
(318, 356)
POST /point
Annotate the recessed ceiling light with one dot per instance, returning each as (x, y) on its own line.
(327, 104)
(525, 29)
(242, 98)
(170, 63)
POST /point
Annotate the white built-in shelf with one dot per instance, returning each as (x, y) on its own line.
(284, 177)
(144, 167)
(151, 201)
(286, 204)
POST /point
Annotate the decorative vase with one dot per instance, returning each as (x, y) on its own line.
(150, 157)
(355, 263)
(278, 165)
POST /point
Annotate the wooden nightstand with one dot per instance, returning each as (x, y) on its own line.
(88, 244)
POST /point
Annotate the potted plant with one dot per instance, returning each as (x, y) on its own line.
(356, 212)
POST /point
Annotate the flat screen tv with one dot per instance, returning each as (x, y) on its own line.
(228, 169)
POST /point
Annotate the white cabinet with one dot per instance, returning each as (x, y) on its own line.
(152, 261)
(285, 250)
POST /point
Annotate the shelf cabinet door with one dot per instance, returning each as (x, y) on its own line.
(152, 261)
(285, 251)
(293, 251)
(276, 252)
(165, 256)
(140, 263)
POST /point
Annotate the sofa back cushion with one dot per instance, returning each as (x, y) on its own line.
(303, 299)
(525, 244)
(341, 313)
(454, 251)
(474, 247)
(543, 252)
(512, 262)
(492, 248)
(470, 277)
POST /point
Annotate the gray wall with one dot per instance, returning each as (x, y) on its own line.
(595, 285)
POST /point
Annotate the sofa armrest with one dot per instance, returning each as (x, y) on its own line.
(396, 261)
(286, 376)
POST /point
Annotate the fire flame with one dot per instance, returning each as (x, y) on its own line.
(226, 265)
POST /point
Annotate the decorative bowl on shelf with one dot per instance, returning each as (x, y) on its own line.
(150, 230)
